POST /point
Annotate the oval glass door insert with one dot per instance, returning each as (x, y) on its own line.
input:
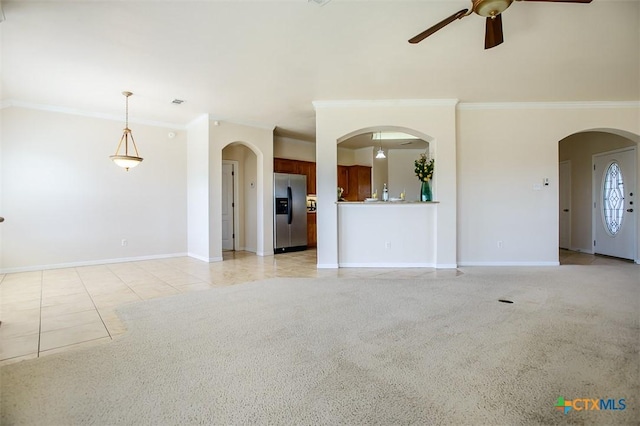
(613, 199)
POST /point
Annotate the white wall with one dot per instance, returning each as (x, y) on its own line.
(251, 203)
(503, 151)
(380, 173)
(294, 149)
(198, 188)
(402, 176)
(346, 157)
(363, 156)
(393, 241)
(579, 149)
(66, 203)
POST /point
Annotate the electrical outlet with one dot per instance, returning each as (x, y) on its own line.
(500, 244)
(124, 242)
(387, 244)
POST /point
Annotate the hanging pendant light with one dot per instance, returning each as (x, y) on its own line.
(126, 161)
(380, 153)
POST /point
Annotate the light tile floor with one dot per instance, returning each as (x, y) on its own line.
(568, 257)
(55, 310)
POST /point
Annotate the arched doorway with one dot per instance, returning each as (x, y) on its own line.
(584, 210)
(239, 198)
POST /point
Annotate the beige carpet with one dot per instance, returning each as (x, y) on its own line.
(355, 351)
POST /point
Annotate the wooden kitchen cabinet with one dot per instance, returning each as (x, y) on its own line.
(312, 234)
(343, 180)
(282, 165)
(354, 180)
(297, 167)
(311, 179)
(359, 183)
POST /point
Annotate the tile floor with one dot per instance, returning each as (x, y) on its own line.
(568, 257)
(55, 310)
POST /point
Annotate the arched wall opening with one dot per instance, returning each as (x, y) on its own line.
(390, 152)
(242, 201)
(579, 186)
(432, 119)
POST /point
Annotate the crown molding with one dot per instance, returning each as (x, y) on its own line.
(386, 103)
(255, 124)
(548, 105)
(82, 113)
(201, 117)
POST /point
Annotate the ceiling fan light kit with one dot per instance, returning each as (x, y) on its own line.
(492, 11)
(490, 8)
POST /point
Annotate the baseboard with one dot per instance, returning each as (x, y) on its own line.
(509, 264)
(90, 263)
(386, 265)
(205, 259)
(327, 266)
(198, 257)
(446, 265)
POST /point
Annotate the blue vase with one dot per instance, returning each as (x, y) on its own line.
(425, 191)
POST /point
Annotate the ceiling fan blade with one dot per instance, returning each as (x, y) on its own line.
(438, 26)
(562, 1)
(493, 34)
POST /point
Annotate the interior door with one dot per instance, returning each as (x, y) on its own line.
(615, 205)
(565, 205)
(228, 205)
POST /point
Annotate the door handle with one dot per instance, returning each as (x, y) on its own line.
(630, 210)
(565, 210)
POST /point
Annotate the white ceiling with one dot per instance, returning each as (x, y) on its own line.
(264, 62)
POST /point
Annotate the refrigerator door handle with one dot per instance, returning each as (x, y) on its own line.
(290, 209)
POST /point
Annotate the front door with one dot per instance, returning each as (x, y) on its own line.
(615, 203)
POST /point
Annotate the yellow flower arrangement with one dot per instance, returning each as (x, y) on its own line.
(424, 168)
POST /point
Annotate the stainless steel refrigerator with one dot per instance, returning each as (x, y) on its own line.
(290, 212)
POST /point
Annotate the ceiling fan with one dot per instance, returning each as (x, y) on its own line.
(492, 10)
